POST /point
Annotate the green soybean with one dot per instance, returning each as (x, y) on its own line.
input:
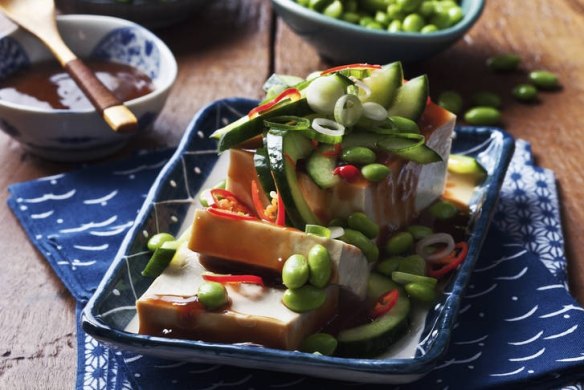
(525, 93)
(319, 5)
(483, 116)
(395, 26)
(419, 231)
(323, 343)
(295, 272)
(486, 99)
(334, 9)
(413, 23)
(382, 18)
(399, 243)
(320, 265)
(361, 222)
(404, 278)
(157, 240)
(303, 299)
(421, 292)
(451, 101)
(414, 264)
(338, 222)
(404, 125)
(351, 17)
(426, 9)
(358, 239)
(375, 172)
(504, 62)
(387, 266)
(212, 295)
(358, 155)
(544, 79)
(443, 210)
(455, 14)
(440, 19)
(429, 28)
(408, 5)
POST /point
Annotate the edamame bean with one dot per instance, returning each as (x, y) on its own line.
(483, 116)
(451, 101)
(361, 222)
(358, 155)
(318, 5)
(404, 125)
(394, 12)
(421, 292)
(212, 295)
(382, 18)
(408, 5)
(395, 26)
(525, 93)
(319, 263)
(413, 23)
(322, 343)
(295, 272)
(157, 240)
(399, 243)
(375, 172)
(414, 264)
(443, 210)
(419, 231)
(544, 79)
(351, 17)
(504, 62)
(455, 14)
(440, 19)
(338, 222)
(374, 26)
(387, 266)
(304, 299)
(334, 9)
(428, 29)
(359, 240)
(426, 9)
(374, 5)
(486, 99)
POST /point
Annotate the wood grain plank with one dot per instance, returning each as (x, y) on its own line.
(547, 35)
(222, 51)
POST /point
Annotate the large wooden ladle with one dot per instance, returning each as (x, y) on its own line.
(38, 17)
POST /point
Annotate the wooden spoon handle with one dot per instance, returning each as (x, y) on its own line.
(118, 116)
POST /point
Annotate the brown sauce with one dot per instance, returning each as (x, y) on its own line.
(47, 86)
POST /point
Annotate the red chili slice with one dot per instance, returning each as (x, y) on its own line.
(347, 172)
(230, 214)
(257, 203)
(454, 260)
(350, 66)
(281, 217)
(290, 93)
(251, 279)
(235, 206)
(385, 303)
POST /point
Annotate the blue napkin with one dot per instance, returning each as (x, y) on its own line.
(518, 326)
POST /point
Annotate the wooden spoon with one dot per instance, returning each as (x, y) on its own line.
(38, 17)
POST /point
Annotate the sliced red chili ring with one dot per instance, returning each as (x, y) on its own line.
(250, 279)
(456, 258)
(219, 194)
(385, 303)
(281, 217)
(257, 203)
(230, 214)
(350, 66)
(290, 93)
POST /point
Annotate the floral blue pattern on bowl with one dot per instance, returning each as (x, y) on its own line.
(166, 209)
(12, 57)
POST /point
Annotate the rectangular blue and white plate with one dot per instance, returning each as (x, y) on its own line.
(110, 314)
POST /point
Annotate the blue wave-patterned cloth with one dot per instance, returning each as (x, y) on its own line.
(517, 327)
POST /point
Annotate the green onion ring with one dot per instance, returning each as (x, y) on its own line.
(348, 110)
(328, 131)
(318, 230)
(287, 122)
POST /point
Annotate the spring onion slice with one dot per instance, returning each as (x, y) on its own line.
(287, 122)
(318, 230)
(348, 110)
(424, 246)
(328, 131)
(365, 91)
(336, 231)
(374, 111)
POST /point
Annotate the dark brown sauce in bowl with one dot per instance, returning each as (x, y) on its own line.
(47, 86)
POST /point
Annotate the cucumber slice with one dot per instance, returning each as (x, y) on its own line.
(373, 338)
(285, 148)
(404, 278)
(160, 259)
(262, 166)
(410, 99)
(244, 128)
(468, 166)
(320, 168)
(384, 84)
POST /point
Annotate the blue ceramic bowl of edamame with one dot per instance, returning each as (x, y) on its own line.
(340, 41)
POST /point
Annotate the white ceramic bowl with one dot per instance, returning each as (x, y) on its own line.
(79, 135)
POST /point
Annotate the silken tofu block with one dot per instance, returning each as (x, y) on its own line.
(267, 245)
(255, 314)
(391, 203)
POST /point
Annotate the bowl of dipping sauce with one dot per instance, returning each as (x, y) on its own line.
(389, 31)
(43, 109)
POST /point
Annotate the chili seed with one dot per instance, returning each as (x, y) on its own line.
(483, 116)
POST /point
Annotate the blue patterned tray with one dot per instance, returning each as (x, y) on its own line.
(167, 206)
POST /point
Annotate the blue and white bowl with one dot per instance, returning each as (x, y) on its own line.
(79, 135)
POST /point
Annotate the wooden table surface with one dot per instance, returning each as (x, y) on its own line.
(229, 49)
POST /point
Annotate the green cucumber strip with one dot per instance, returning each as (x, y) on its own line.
(406, 145)
(384, 84)
(320, 168)
(262, 166)
(410, 99)
(466, 165)
(404, 278)
(285, 148)
(160, 259)
(244, 128)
